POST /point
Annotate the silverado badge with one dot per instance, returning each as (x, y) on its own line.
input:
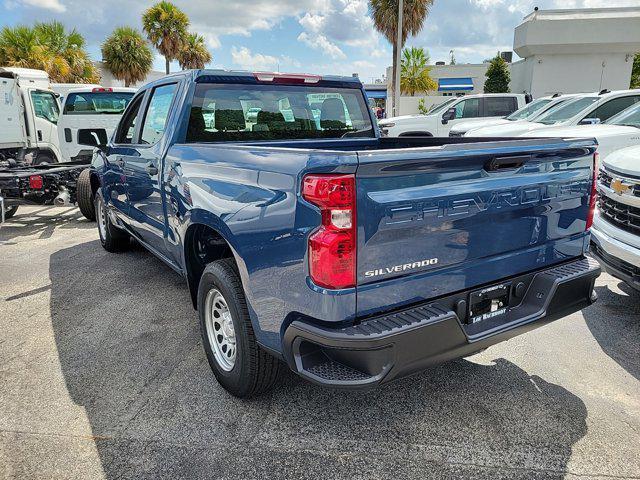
(619, 187)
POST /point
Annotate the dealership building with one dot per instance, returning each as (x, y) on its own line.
(561, 51)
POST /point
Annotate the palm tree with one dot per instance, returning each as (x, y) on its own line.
(194, 53)
(48, 47)
(166, 27)
(385, 19)
(414, 72)
(127, 55)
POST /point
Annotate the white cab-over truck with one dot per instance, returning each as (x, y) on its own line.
(29, 113)
(441, 119)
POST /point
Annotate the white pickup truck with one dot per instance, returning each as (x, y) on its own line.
(29, 113)
(440, 120)
(530, 112)
(615, 235)
(620, 131)
(587, 109)
(90, 112)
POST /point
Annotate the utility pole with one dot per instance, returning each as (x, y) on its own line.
(396, 89)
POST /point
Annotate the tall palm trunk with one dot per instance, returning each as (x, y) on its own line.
(166, 65)
(393, 80)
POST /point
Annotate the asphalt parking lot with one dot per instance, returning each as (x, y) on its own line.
(103, 376)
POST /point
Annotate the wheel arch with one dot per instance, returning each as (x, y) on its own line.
(203, 244)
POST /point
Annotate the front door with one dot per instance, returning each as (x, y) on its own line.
(121, 151)
(45, 114)
(143, 171)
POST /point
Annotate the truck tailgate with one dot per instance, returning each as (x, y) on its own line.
(433, 221)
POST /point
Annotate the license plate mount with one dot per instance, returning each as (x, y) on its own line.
(489, 302)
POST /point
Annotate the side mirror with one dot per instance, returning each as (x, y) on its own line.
(589, 121)
(93, 138)
(448, 115)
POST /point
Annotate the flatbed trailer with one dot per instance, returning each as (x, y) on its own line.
(53, 184)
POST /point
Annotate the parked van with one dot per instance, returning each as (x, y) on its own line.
(29, 111)
(90, 112)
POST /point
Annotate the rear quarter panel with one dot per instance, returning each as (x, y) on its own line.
(250, 195)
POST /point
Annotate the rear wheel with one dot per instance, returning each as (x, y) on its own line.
(237, 361)
(84, 196)
(112, 238)
(10, 211)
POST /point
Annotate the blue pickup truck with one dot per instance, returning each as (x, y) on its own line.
(308, 240)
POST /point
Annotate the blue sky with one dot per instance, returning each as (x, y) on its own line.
(318, 36)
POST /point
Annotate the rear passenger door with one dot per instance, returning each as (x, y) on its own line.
(146, 208)
(499, 106)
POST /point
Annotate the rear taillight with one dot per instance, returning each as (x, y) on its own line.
(276, 77)
(594, 193)
(101, 90)
(35, 182)
(332, 248)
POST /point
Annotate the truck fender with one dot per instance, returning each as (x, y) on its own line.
(220, 242)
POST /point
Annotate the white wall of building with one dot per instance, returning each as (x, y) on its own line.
(575, 50)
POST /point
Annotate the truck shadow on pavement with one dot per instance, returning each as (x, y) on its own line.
(130, 352)
(42, 222)
(618, 331)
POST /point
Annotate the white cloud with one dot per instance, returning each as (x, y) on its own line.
(248, 60)
(53, 5)
(321, 43)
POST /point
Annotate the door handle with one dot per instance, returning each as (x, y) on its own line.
(152, 169)
(120, 162)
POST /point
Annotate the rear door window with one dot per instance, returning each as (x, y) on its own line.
(223, 112)
(612, 107)
(155, 119)
(499, 106)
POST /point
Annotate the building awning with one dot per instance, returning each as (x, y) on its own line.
(377, 93)
(457, 84)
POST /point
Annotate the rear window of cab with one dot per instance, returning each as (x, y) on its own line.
(222, 112)
(97, 103)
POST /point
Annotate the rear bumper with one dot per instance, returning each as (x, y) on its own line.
(397, 344)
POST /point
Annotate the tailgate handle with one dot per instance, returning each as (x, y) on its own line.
(506, 163)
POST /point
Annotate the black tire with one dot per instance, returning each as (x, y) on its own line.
(112, 238)
(44, 158)
(10, 211)
(84, 195)
(254, 371)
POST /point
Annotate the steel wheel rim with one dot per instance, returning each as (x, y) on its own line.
(220, 330)
(102, 219)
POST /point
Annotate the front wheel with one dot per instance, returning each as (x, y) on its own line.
(112, 238)
(237, 361)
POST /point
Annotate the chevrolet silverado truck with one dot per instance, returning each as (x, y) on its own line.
(615, 240)
(307, 239)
